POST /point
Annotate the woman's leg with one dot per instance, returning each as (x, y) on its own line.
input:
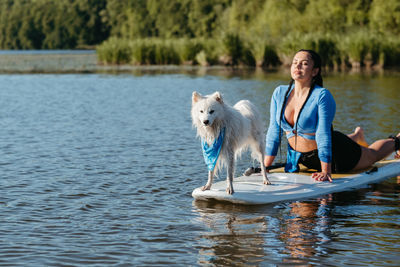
(375, 152)
(358, 137)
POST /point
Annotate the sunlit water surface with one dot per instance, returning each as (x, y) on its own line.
(98, 169)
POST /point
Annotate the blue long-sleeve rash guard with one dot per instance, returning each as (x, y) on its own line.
(315, 118)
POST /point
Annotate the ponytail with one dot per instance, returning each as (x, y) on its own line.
(317, 79)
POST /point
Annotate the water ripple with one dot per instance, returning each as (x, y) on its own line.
(98, 170)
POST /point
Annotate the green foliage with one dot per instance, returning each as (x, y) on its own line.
(207, 32)
(142, 53)
(115, 51)
(270, 57)
(234, 48)
(46, 24)
(384, 16)
(189, 49)
(389, 54)
(356, 48)
(157, 51)
(236, 52)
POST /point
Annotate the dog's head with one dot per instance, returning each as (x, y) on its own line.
(206, 109)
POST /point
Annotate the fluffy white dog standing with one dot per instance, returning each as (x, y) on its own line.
(241, 127)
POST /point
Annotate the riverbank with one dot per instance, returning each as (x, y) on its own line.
(87, 61)
(48, 61)
(77, 61)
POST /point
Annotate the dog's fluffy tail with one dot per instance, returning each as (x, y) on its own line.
(250, 111)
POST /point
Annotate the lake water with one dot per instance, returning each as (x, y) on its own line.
(98, 169)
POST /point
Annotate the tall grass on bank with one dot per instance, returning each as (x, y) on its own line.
(151, 51)
(352, 50)
(138, 52)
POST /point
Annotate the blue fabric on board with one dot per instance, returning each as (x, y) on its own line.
(292, 160)
(211, 153)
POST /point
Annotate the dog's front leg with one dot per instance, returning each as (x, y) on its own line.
(264, 169)
(209, 181)
(229, 177)
(264, 173)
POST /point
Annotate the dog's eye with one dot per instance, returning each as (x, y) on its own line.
(201, 111)
(211, 111)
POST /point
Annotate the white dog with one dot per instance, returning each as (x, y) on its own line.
(225, 132)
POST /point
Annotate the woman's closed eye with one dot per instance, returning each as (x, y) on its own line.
(304, 62)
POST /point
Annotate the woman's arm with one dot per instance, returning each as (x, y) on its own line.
(272, 138)
(323, 135)
(268, 160)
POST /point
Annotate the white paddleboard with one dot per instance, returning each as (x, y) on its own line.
(293, 186)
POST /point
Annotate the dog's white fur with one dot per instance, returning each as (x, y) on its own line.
(243, 129)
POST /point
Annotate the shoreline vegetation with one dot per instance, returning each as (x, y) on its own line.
(354, 51)
(348, 34)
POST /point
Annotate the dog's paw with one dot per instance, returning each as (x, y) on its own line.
(229, 190)
(206, 187)
(267, 182)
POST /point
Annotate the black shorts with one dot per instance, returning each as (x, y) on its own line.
(345, 154)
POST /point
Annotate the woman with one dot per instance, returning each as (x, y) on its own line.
(305, 111)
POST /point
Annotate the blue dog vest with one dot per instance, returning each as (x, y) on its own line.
(211, 153)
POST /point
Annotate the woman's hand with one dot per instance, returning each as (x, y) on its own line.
(325, 174)
(322, 176)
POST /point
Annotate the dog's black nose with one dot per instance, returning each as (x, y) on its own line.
(206, 122)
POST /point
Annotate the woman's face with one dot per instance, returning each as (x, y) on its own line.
(302, 68)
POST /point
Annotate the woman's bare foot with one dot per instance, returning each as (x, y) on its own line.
(358, 137)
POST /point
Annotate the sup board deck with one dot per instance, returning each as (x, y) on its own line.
(294, 186)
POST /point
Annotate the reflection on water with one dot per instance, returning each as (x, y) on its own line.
(294, 232)
(324, 231)
(306, 228)
(232, 239)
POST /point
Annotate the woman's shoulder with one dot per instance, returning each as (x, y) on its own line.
(323, 95)
(322, 91)
(281, 90)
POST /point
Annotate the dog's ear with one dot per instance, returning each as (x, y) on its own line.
(195, 97)
(218, 97)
